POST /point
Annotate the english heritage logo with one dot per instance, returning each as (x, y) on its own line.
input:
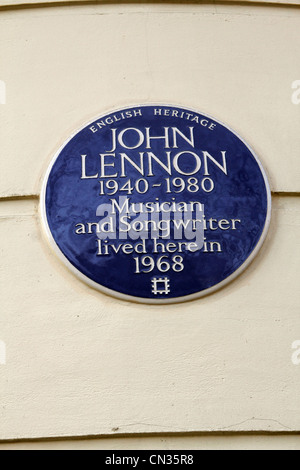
(156, 204)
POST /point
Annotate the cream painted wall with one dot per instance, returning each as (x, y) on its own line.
(80, 363)
(63, 69)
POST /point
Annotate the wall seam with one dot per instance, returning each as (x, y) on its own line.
(149, 435)
(36, 197)
(75, 3)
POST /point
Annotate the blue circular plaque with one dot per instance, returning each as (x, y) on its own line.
(156, 204)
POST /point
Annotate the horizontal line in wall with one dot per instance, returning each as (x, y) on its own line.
(285, 194)
(28, 197)
(75, 3)
(35, 197)
(152, 434)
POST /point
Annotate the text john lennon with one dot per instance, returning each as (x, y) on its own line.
(145, 163)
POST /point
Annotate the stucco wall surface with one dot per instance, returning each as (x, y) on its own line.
(64, 67)
(79, 363)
